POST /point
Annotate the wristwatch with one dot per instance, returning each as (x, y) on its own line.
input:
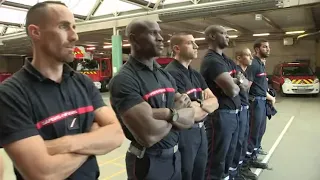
(174, 115)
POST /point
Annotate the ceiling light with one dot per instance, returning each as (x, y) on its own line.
(90, 44)
(233, 36)
(199, 39)
(262, 34)
(91, 48)
(295, 32)
(110, 46)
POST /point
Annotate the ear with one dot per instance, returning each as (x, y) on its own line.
(176, 48)
(34, 31)
(212, 37)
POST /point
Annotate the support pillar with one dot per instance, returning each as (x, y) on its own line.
(116, 53)
(318, 58)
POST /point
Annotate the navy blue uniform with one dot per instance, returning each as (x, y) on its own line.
(193, 144)
(136, 83)
(243, 128)
(222, 125)
(34, 105)
(257, 94)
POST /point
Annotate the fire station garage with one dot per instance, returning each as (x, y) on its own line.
(293, 67)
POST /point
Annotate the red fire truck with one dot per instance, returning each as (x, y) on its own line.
(9, 64)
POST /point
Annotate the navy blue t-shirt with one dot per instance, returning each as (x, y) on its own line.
(258, 73)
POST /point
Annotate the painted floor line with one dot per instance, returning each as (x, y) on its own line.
(273, 148)
(110, 161)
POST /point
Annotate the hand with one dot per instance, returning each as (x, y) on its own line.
(195, 104)
(94, 126)
(182, 102)
(273, 101)
(58, 146)
(205, 95)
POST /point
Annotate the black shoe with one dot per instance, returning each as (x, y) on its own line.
(257, 164)
(239, 177)
(246, 172)
(261, 151)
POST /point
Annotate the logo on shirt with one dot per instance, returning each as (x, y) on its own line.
(73, 123)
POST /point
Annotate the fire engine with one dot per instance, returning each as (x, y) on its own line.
(9, 64)
(295, 78)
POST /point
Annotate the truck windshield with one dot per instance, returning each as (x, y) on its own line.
(297, 71)
(87, 64)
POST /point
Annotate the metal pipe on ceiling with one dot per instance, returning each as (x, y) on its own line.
(167, 10)
(141, 3)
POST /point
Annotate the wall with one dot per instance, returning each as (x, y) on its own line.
(304, 49)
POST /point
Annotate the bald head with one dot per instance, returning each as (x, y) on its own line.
(139, 26)
(212, 30)
(144, 37)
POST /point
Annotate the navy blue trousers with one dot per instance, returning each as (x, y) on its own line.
(193, 147)
(258, 123)
(242, 142)
(222, 134)
(154, 167)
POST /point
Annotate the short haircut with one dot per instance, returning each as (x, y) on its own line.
(258, 43)
(177, 39)
(37, 13)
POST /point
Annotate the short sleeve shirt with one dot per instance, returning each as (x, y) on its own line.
(212, 66)
(136, 83)
(258, 73)
(34, 105)
(244, 95)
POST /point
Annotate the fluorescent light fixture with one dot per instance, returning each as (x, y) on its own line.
(262, 34)
(295, 32)
(91, 48)
(233, 36)
(199, 39)
(90, 45)
(110, 46)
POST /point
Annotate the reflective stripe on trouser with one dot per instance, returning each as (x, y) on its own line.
(221, 129)
(241, 148)
(258, 120)
(193, 147)
(154, 167)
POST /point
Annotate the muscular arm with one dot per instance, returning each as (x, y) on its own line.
(186, 116)
(227, 84)
(211, 103)
(31, 158)
(147, 130)
(104, 139)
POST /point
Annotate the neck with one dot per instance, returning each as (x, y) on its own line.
(184, 62)
(148, 61)
(216, 49)
(243, 67)
(47, 66)
(261, 58)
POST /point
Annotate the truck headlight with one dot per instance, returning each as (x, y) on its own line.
(316, 80)
(287, 80)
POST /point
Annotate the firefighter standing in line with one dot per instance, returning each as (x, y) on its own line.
(193, 144)
(243, 60)
(258, 96)
(150, 109)
(219, 73)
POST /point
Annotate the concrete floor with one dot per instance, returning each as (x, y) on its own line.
(296, 157)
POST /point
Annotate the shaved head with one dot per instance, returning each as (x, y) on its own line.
(212, 30)
(38, 13)
(145, 38)
(216, 36)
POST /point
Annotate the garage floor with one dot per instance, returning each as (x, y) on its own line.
(292, 135)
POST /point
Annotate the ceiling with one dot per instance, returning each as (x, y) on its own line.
(240, 22)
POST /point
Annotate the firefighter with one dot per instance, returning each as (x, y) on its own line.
(219, 73)
(53, 120)
(193, 144)
(151, 110)
(258, 96)
(237, 171)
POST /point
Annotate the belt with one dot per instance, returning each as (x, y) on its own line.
(140, 151)
(198, 125)
(244, 107)
(260, 98)
(235, 111)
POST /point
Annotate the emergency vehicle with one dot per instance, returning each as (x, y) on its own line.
(9, 64)
(99, 69)
(295, 78)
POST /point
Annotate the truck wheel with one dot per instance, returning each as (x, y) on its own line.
(282, 94)
(104, 86)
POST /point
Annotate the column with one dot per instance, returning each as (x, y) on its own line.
(116, 53)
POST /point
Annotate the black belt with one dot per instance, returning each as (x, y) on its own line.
(230, 111)
(139, 150)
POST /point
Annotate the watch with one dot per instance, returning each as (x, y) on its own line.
(174, 115)
(200, 102)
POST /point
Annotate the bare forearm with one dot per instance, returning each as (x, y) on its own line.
(186, 118)
(99, 142)
(161, 114)
(269, 97)
(199, 114)
(245, 85)
(210, 105)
